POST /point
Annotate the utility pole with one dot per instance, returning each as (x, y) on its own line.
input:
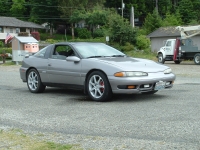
(122, 8)
(132, 17)
(157, 5)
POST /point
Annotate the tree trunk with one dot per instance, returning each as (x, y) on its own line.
(72, 26)
(4, 57)
(51, 29)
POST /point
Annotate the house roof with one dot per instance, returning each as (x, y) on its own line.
(167, 32)
(14, 22)
(26, 39)
(164, 31)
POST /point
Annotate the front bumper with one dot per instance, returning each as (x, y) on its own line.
(141, 84)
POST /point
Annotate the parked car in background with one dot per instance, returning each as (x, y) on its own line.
(96, 68)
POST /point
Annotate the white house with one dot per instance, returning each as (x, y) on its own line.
(13, 26)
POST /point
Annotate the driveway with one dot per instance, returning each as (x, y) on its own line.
(168, 119)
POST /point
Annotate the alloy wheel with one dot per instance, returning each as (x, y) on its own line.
(96, 86)
(33, 81)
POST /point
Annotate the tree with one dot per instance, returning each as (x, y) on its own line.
(120, 30)
(5, 7)
(18, 9)
(196, 8)
(45, 11)
(152, 22)
(172, 20)
(96, 16)
(69, 8)
(187, 11)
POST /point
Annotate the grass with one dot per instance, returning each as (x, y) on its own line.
(10, 63)
(61, 37)
(142, 54)
(17, 139)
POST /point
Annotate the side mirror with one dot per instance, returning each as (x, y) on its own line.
(27, 55)
(73, 58)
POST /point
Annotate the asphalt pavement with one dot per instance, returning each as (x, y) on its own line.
(168, 119)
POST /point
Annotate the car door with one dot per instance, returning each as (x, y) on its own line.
(169, 48)
(62, 71)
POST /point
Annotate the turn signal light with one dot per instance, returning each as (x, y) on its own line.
(131, 87)
(119, 74)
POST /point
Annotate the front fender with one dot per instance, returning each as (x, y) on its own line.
(162, 51)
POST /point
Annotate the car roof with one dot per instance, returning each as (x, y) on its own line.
(74, 43)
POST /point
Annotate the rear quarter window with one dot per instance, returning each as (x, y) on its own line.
(41, 53)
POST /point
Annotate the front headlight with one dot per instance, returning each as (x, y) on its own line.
(130, 74)
(167, 71)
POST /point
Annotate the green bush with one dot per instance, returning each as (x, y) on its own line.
(83, 33)
(127, 47)
(51, 41)
(60, 37)
(121, 31)
(100, 40)
(1, 44)
(142, 42)
(23, 34)
(43, 36)
(98, 33)
(7, 50)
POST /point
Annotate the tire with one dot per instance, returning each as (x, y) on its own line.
(161, 59)
(197, 59)
(98, 87)
(177, 62)
(34, 82)
(149, 93)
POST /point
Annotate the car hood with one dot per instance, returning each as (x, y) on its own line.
(136, 64)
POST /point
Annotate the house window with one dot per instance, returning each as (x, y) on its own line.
(22, 29)
(11, 30)
(17, 30)
(1, 30)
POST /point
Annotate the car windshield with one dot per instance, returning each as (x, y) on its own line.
(94, 50)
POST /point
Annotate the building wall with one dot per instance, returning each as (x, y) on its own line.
(158, 42)
(16, 45)
(12, 31)
(3, 35)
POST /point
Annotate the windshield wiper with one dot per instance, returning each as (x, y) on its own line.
(94, 56)
(118, 56)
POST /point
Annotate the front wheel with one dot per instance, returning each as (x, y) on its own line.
(34, 82)
(161, 59)
(98, 86)
(197, 59)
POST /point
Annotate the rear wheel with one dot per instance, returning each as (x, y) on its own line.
(197, 59)
(161, 59)
(34, 82)
(98, 86)
(177, 62)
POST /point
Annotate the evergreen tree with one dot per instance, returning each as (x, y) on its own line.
(18, 9)
(152, 22)
(172, 20)
(186, 10)
(45, 11)
(5, 7)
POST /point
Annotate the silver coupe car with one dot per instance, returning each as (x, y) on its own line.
(96, 68)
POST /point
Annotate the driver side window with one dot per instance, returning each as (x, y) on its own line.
(62, 51)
